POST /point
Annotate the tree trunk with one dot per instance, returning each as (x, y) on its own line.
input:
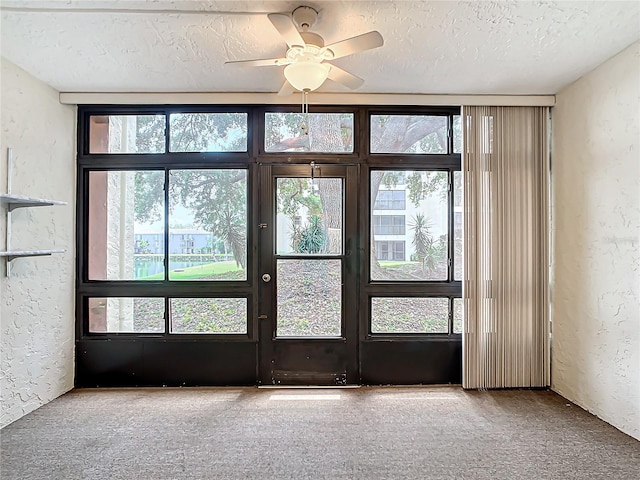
(325, 136)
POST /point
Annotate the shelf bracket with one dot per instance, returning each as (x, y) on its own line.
(11, 202)
(8, 227)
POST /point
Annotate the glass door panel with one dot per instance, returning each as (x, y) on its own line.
(309, 298)
(309, 222)
(309, 218)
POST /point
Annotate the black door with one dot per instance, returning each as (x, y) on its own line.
(308, 309)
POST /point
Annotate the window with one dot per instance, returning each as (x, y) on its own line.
(424, 258)
(458, 307)
(126, 134)
(207, 225)
(390, 251)
(425, 227)
(457, 134)
(126, 315)
(398, 251)
(208, 315)
(388, 225)
(390, 200)
(208, 132)
(409, 315)
(409, 134)
(293, 132)
(119, 247)
(458, 253)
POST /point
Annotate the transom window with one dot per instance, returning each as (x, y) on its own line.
(186, 132)
(313, 132)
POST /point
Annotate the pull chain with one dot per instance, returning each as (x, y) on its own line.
(305, 112)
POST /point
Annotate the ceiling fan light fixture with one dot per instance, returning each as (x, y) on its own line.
(306, 75)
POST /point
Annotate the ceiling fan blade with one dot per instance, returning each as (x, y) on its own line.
(352, 45)
(347, 79)
(285, 26)
(286, 90)
(267, 62)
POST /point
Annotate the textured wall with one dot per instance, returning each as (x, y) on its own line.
(596, 237)
(37, 303)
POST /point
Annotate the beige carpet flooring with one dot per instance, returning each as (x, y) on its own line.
(365, 433)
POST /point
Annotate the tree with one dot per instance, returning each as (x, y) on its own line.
(429, 251)
(422, 238)
(312, 238)
(217, 198)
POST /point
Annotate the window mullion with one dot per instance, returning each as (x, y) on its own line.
(166, 224)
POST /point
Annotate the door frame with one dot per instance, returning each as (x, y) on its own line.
(308, 360)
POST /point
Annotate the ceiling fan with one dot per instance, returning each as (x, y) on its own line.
(306, 60)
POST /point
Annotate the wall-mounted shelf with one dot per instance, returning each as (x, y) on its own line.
(27, 253)
(11, 202)
(19, 201)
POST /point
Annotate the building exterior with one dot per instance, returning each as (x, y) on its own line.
(181, 241)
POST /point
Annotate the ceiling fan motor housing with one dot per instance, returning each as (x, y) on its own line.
(305, 17)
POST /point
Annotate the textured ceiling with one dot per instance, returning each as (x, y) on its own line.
(503, 47)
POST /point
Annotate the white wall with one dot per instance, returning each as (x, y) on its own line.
(596, 240)
(37, 302)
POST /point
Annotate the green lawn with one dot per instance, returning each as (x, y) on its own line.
(201, 271)
(393, 264)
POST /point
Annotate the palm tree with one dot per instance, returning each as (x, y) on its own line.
(422, 240)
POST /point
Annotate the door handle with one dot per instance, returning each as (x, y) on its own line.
(266, 278)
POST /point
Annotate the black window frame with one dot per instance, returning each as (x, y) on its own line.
(449, 162)
(89, 162)
(249, 160)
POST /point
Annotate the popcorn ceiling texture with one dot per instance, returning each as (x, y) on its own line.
(596, 238)
(37, 301)
(438, 47)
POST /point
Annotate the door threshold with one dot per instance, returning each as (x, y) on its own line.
(308, 387)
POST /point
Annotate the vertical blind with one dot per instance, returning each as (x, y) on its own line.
(506, 245)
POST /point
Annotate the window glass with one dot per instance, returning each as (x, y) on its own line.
(208, 315)
(411, 246)
(126, 315)
(412, 134)
(208, 224)
(409, 315)
(390, 200)
(315, 132)
(126, 226)
(458, 254)
(310, 216)
(208, 132)
(309, 298)
(458, 309)
(390, 251)
(388, 225)
(457, 134)
(126, 134)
